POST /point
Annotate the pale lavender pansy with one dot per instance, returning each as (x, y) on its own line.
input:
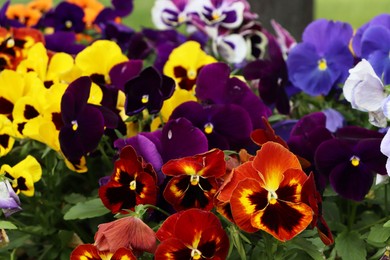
(365, 91)
(9, 201)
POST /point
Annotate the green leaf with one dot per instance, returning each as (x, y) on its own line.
(379, 234)
(308, 247)
(350, 246)
(7, 225)
(387, 224)
(88, 209)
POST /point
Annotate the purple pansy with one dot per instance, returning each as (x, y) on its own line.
(62, 41)
(4, 20)
(224, 13)
(120, 8)
(379, 20)
(67, 17)
(214, 85)
(147, 91)
(322, 59)
(84, 123)
(351, 161)
(9, 201)
(226, 126)
(273, 77)
(168, 14)
(178, 138)
(375, 47)
(117, 32)
(123, 72)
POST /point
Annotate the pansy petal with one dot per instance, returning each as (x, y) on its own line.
(167, 229)
(123, 253)
(86, 251)
(192, 222)
(180, 138)
(351, 182)
(283, 220)
(238, 174)
(247, 198)
(272, 167)
(172, 249)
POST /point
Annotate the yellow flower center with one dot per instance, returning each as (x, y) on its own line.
(215, 15)
(68, 24)
(272, 197)
(133, 185)
(181, 18)
(355, 161)
(75, 125)
(10, 43)
(208, 128)
(322, 65)
(196, 254)
(194, 179)
(145, 99)
(191, 74)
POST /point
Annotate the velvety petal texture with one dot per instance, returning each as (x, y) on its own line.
(193, 233)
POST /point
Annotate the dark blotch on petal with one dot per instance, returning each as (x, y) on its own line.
(281, 215)
(30, 112)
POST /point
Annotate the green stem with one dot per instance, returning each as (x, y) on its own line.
(157, 208)
(352, 214)
(379, 221)
(386, 200)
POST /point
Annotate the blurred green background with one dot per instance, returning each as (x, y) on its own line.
(356, 12)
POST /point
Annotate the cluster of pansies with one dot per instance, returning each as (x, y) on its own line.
(207, 137)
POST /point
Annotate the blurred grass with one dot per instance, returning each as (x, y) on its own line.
(355, 12)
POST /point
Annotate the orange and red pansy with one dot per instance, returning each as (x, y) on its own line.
(195, 180)
(192, 234)
(90, 252)
(133, 182)
(269, 197)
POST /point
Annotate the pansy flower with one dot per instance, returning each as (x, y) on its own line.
(371, 42)
(84, 123)
(366, 92)
(67, 17)
(133, 182)
(273, 77)
(23, 175)
(7, 134)
(49, 69)
(89, 252)
(178, 138)
(194, 181)
(270, 198)
(91, 9)
(25, 15)
(126, 232)
(227, 13)
(185, 62)
(148, 90)
(63, 41)
(226, 126)
(215, 85)
(168, 14)
(9, 201)
(14, 44)
(385, 149)
(322, 59)
(351, 161)
(192, 234)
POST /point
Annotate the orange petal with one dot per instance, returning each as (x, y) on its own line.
(261, 136)
(272, 160)
(123, 254)
(86, 251)
(283, 220)
(238, 174)
(247, 198)
(291, 186)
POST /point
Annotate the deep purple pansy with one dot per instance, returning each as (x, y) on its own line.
(226, 126)
(84, 123)
(351, 161)
(273, 77)
(124, 71)
(214, 85)
(322, 59)
(62, 41)
(147, 91)
(68, 17)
